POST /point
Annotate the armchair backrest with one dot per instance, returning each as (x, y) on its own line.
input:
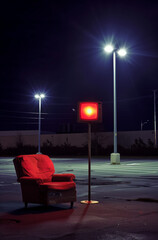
(35, 165)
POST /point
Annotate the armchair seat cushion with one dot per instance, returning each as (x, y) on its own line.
(58, 185)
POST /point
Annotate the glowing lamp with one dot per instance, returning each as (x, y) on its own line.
(122, 52)
(39, 96)
(109, 48)
(90, 111)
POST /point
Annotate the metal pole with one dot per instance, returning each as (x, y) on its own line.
(89, 162)
(115, 106)
(89, 201)
(39, 127)
(155, 138)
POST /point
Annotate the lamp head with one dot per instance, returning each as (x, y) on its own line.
(42, 95)
(109, 48)
(39, 96)
(122, 52)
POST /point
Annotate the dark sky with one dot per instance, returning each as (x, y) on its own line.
(56, 47)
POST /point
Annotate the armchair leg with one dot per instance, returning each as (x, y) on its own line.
(72, 204)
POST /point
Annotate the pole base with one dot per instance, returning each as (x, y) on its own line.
(115, 158)
(89, 202)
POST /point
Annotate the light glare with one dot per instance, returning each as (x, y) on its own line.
(89, 111)
(42, 96)
(108, 48)
(37, 96)
(122, 52)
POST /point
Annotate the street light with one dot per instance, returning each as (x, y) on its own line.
(39, 97)
(115, 156)
(155, 131)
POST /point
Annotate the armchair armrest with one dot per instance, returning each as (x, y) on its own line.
(63, 177)
(30, 180)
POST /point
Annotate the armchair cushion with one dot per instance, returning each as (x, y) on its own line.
(35, 166)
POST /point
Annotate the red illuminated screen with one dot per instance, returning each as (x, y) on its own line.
(89, 111)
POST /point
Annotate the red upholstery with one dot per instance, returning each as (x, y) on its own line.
(36, 165)
(59, 185)
(38, 181)
(63, 177)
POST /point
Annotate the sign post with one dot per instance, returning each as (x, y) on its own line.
(89, 112)
(89, 162)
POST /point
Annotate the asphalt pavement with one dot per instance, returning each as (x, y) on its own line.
(127, 208)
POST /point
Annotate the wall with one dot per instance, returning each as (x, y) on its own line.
(12, 138)
(125, 139)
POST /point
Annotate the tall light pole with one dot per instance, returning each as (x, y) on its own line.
(39, 97)
(155, 131)
(115, 156)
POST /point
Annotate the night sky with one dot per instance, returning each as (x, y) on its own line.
(56, 47)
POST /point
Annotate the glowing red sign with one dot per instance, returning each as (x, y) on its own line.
(89, 111)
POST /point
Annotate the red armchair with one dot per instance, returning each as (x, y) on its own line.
(40, 184)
